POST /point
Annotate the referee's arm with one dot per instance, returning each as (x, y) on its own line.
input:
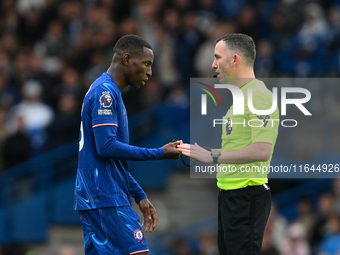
(256, 152)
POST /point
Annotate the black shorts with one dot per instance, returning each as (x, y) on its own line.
(242, 217)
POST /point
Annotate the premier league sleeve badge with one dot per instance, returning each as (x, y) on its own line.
(105, 99)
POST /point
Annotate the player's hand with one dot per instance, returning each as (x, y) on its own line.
(171, 151)
(149, 215)
(194, 151)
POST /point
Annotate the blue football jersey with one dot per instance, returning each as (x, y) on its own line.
(103, 179)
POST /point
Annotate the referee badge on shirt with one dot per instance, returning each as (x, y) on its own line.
(139, 235)
(105, 99)
(228, 127)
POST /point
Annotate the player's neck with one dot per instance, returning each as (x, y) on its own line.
(117, 76)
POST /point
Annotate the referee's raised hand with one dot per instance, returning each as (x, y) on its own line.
(171, 151)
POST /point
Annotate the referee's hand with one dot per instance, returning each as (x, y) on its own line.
(195, 152)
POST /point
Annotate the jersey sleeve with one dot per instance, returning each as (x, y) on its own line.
(109, 147)
(104, 107)
(135, 190)
(104, 124)
(262, 126)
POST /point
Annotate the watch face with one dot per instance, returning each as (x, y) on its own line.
(215, 153)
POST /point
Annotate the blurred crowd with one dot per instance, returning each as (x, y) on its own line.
(52, 50)
(315, 230)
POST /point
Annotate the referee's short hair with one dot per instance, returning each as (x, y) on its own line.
(242, 44)
(131, 43)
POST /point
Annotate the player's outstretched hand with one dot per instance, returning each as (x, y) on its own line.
(171, 151)
(149, 215)
(194, 151)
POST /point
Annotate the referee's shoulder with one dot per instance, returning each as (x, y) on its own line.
(260, 87)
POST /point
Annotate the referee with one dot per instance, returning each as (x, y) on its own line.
(244, 199)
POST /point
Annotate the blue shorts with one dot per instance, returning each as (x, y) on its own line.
(113, 230)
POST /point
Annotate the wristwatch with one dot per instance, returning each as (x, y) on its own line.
(215, 154)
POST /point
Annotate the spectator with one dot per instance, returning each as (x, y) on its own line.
(35, 114)
(20, 69)
(207, 244)
(203, 68)
(264, 63)
(296, 242)
(150, 94)
(314, 28)
(119, 9)
(165, 67)
(36, 72)
(52, 47)
(247, 22)
(178, 98)
(171, 21)
(97, 67)
(71, 16)
(181, 247)
(324, 214)
(147, 16)
(17, 146)
(5, 63)
(128, 26)
(331, 243)
(276, 228)
(10, 14)
(10, 44)
(306, 216)
(65, 127)
(230, 9)
(24, 6)
(206, 15)
(183, 6)
(187, 42)
(286, 20)
(79, 55)
(49, 13)
(8, 94)
(267, 245)
(70, 84)
(30, 27)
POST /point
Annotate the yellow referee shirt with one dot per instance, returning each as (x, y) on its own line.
(240, 131)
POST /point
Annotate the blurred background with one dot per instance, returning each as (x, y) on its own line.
(52, 50)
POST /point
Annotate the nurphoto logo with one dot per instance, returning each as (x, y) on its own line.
(238, 103)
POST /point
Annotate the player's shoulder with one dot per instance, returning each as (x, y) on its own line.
(104, 85)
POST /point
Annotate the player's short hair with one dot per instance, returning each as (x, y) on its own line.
(241, 43)
(131, 43)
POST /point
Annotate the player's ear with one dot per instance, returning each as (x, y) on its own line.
(126, 59)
